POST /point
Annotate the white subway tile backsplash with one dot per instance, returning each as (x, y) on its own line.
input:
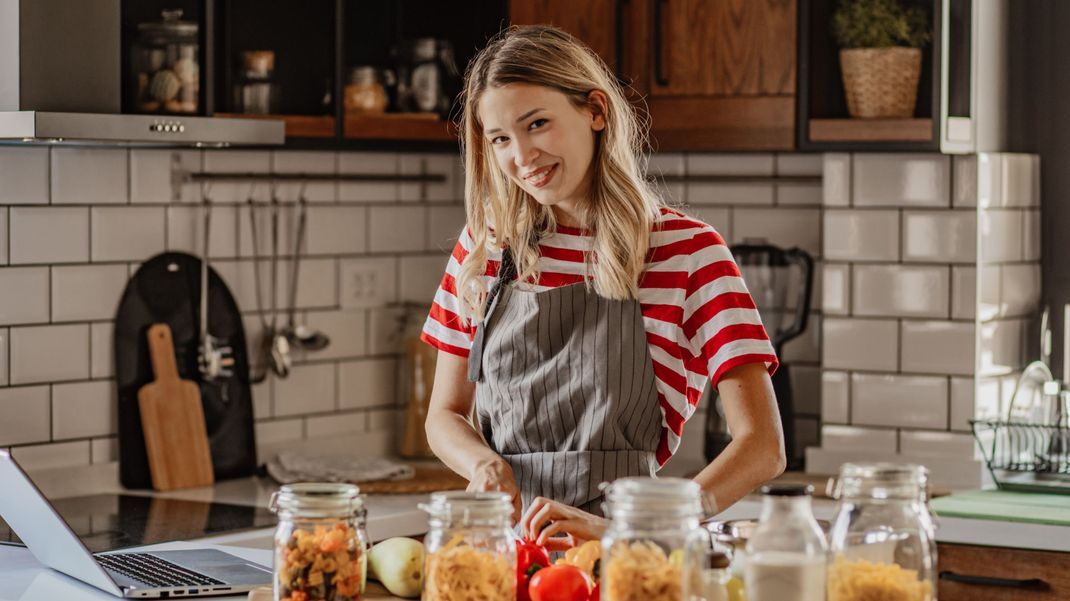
(384, 420)
(1031, 235)
(337, 230)
(185, 230)
(49, 353)
(367, 383)
(800, 164)
(851, 343)
(261, 393)
(153, 173)
(938, 347)
(346, 329)
(899, 401)
(1002, 346)
(852, 438)
(368, 163)
(836, 293)
(278, 431)
(84, 409)
(49, 235)
(936, 444)
(1019, 289)
(103, 450)
(23, 295)
(89, 176)
(963, 292)
(730, 164)
(3, 356)
(238, 161)
(450, 190)
(3, 236)
(962, 395)
(317, 284)
(720, 218)
(86, 292)
(24, 415)
(988, 401)
(336, 424)
(128, 233)
(837, 180)
(782, 227)
(989, 289)
(901, 180)
(385, 326)
(25, 173)
(990, 179)
(1020, 180)
(806, 388)
(666, 163)
(861, 235)
(835, 397)
(55, 455)
(1001, 235)
(444, 225)
(807, 346)
(940, 236)
(102, 350)
(700, 193)
(292, 161)
(964, 184)
(420, 277)
(398, 229)
(900, 290)
(369, 282)
(308, 389)
(799, 194)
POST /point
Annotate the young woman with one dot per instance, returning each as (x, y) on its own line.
(580, 316)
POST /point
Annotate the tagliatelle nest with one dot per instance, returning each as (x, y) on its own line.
(861, 580)
(641, 571)
(459, 572)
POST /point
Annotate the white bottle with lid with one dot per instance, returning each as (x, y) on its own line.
(787, 556)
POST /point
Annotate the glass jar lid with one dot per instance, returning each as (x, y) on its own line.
(894, 481)
(318, 500)
(171, 25)
(462, 508)
(665, 497)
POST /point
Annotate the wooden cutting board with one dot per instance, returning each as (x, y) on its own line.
(172, 420)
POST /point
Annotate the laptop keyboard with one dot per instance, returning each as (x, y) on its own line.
(152, 570)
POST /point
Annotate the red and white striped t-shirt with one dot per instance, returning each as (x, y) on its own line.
(700, 320)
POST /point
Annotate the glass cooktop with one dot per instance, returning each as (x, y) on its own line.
(116, 521)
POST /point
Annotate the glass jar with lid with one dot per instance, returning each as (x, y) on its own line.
(364, 94)
(883, 535)
(165, 66)
(471, 548)
(320, 543)
(654, 548)
(256, 92)
(787, 554)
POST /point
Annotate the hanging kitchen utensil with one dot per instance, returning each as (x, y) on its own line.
(172, 420)
(167, 289)
(300, 336)
(216, 360)
(780, 282)
(275, 348)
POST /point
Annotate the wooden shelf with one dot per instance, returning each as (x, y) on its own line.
(297, 126)
(871, 130)
(418, 127)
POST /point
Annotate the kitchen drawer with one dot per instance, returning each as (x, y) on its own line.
(1026, 575)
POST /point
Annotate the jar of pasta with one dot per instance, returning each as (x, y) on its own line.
(654, 549)
(320, 543)
(882, 541)
(471, 548)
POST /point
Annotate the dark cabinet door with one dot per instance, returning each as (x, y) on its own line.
(591, 21)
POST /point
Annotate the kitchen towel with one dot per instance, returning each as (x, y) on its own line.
(290, 467)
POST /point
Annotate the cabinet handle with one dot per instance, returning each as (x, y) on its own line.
(659, 74)
(1026, 583)
(619, 49)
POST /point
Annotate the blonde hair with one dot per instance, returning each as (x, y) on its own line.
(622, 206)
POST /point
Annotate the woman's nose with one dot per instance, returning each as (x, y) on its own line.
(525, 154)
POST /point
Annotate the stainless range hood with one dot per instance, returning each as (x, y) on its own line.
(60, 83)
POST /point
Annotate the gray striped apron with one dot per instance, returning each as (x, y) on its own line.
(565, 389)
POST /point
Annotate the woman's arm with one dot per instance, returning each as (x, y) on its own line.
(455, 440)
(756, 453)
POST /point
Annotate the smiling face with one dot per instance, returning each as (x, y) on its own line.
(543, 142)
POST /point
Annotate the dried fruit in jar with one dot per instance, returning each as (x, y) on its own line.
(321, 564)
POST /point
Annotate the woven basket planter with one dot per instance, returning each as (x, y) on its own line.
(881, 82)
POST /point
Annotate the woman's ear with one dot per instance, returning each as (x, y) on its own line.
(598, 104)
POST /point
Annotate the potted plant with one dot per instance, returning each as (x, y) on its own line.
(880, 55)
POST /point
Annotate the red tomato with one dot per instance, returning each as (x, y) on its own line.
(530, 558)
(560, 583)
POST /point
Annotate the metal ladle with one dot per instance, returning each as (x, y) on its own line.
(301, 336)
(275, 348)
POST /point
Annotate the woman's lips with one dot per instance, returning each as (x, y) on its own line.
(542, 177)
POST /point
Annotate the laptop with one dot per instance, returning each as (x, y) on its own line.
(129, 574)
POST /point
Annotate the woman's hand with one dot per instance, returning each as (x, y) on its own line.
(497, 476)
(546, 518)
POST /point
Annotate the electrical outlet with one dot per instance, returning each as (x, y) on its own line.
(367, 283)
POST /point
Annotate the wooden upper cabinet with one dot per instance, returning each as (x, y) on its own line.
(723, 48)
(593, 21)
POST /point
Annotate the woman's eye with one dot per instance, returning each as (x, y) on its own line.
(537, 123)
(498, 139)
